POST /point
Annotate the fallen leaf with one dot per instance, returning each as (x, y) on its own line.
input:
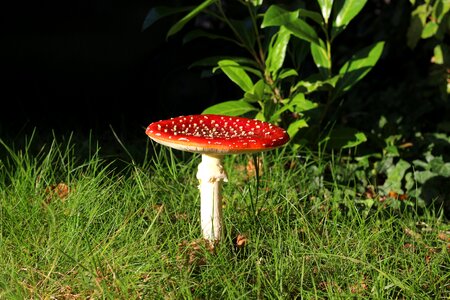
(159, 208)
(409, 246)
(60, 190)
(444, 236)
(359, 287)
(393, 194)
(403, 197)
(406, 145)
(181, 216)
(397, 196)
(241, 241)
(370, 192)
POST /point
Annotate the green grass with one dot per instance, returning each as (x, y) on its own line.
(134, 232)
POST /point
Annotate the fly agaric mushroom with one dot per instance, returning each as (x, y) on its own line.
(214, 136)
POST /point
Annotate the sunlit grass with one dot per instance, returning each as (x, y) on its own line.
(134, 232)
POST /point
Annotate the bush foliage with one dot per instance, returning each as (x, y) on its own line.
(366, 79)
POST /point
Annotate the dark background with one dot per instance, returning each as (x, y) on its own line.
(88, 67)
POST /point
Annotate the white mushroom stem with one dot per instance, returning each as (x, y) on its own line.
(210, 176)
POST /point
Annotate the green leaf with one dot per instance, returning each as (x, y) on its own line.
(410, 183)
(297, 104)
(230, 108)
(302, 30)
(192, 14)
(287, 73)
(440, 9)
(236, 73)
(256, 94)
(358, 66)
(295, 126)
(429, 30)
(321, 59)
(160, 12)
(213, 61)
(395, 176)
(276, 115)
(250, 97)
(312, 15)
(416, 24)
(438, 56)
(440, 167)
(424, 176)
(345, 137)
(260, 116)
(314, 83)
(277, 50)
(277, 16)
(259, 88)
(421, 164)
(346, 11)
(360, 138)
(391, 151)
(256, 2)
(302, 104)
(325, 8)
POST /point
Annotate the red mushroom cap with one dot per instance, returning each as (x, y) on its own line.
(217, 134)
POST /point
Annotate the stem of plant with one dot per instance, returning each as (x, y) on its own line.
(255, 162)
(330, 97)
(236, 33)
